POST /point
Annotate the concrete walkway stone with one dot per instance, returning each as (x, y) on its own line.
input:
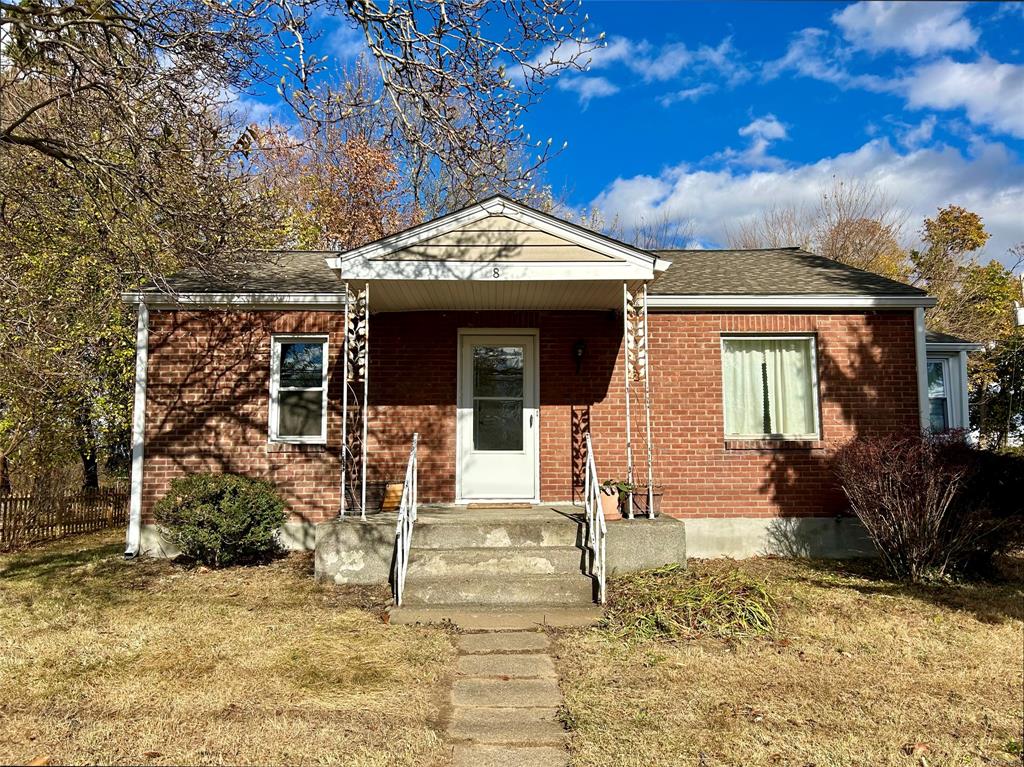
(505, 702)
(504, 642)
(504, 756)
(505, 665)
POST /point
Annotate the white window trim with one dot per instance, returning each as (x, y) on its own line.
(275, 383)
(951, 421)
(812, 437)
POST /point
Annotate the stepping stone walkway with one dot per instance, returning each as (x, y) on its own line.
(504, 703)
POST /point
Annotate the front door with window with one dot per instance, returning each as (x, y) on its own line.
(497, 417)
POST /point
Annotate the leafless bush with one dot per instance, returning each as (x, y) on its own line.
(909, 493)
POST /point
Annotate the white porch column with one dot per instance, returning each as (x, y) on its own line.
(134, 536)
(921, 354)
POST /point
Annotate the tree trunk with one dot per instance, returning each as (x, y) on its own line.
(88, 453)
(5, 475)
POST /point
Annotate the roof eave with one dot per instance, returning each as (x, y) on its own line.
(795, 301)
(940, 346)
(166, 299)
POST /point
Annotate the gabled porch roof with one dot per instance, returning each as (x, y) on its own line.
(497, 254)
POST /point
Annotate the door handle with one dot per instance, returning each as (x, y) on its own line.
(531, 420)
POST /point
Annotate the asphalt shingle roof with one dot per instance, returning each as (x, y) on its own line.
(286, 271)
(935, 337)
(779, 271)
(769, 271)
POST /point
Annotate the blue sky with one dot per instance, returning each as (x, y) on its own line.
(706, 112)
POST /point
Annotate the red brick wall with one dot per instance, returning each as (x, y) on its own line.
(208, 395)
(207, 400)
(867, 383)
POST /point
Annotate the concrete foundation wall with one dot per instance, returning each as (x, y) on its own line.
(294, 536)
(738, 537)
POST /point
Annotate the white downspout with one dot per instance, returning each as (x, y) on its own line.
(965, 405)
(921, 354)
(134, 538)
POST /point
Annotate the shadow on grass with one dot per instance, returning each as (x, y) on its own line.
(86, 569)
(991, 602)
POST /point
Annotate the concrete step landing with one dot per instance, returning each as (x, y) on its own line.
(518, 560)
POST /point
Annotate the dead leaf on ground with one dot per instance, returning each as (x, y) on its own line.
(915, 749)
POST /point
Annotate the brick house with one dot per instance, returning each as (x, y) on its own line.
(502, 336)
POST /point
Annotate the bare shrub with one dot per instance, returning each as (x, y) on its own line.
(917, 498)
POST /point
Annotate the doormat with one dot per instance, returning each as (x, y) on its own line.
(499, 506)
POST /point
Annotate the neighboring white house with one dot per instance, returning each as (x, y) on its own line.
(947, 380)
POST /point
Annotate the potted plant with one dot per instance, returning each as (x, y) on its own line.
(610, 505)
(641, 498)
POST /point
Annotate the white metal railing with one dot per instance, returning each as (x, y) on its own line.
(597, 530)
(406, 520)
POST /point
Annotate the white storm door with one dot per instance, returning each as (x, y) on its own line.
(497, 417)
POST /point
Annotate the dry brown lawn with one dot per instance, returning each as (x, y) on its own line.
(860, 672)
(106, 661)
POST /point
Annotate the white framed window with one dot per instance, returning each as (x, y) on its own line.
(298, 389)
(770, 387)
(939, 399)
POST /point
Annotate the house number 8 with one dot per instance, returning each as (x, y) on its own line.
(497, 273)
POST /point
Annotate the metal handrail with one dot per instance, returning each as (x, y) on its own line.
(406, 520)
(597, 530)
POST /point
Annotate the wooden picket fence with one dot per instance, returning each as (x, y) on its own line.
(27, 519)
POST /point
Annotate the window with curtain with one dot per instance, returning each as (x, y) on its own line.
(769, 387)
(298, 389)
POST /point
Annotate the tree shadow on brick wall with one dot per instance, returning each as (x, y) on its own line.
(872, 381)
(208, 402)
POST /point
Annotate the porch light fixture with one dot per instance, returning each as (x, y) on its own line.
(578, 350)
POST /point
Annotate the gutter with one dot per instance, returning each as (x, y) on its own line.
(162, 299)
(665, 302)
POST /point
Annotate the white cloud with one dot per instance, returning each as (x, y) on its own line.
(989, 180)
(687, 94)
(664, 65)
(660, 64)
(807, 55)
(588, 88)
(248, 109)
(917, 28)
(913, 136)
(346, 42)
(761, 131)
(990, 92)
(724, 59)
(767, 127)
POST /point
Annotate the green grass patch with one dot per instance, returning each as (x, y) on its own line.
(672, 602)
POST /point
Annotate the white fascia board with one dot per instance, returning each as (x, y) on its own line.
(954, 348)
(668, 302)
(495, 271)
(249, 300)
(514, 211)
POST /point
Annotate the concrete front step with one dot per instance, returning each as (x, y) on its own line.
(522, 560)
(448, 534)
(496, 589)
(529, 618)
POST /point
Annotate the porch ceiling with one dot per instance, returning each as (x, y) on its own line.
(447, 295)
